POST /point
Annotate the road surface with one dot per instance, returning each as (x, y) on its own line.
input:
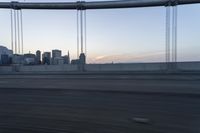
(99, 104)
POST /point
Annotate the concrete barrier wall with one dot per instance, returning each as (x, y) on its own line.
(5, 69)
(126, 67)
(189, 66)
(181, 66)
(48, 68)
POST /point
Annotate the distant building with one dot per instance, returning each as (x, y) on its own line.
(82, 58)
(5, 59)
(75, 62)
(46, 58)
(5, 55)
(80, 61)
(66, 59)
(38, 57)
(58, 60)
(29, 59)
(18, 59)
(56, 55)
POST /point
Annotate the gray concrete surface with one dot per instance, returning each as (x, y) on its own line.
(129, 67)
(100, 103)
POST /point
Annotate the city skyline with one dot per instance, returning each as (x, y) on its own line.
(119, 35)
(55, 57)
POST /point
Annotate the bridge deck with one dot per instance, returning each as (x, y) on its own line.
(99, 103)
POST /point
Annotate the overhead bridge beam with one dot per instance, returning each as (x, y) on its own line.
(81, 5)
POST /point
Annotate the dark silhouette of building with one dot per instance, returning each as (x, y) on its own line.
(5, 59)
(75, 62)
(80, 62)
(66, 58)
(5, 55)
(29, 59)
(82, 59)
(46, 58)
(56, 56)
(38, 57)
(17, 59)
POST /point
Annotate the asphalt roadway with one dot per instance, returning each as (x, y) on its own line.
(100, 103)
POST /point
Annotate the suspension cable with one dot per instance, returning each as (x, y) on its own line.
(174, 35)
(77, 20)
(85, 28)
(168, 33)
(175, 41)
(18, 31)
(81, 19)
(22, 38)
(15, 31)
(11, 26)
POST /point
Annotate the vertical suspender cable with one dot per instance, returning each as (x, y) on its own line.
(168, 34)
(174, 34)
(77, 20)
(81, 19)
(22, 38)
(85, 27)
(18, 31)
(15, 31)
(175, 38)
(11, 26)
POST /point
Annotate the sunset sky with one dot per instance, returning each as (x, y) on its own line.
(114, 35)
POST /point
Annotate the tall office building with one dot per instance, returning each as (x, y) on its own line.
(82, 59)
(46, 58)
(38, 57)
(56, 55)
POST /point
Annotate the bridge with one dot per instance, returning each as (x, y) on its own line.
(104, 101)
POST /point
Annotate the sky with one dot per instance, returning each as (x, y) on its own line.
(113, 35)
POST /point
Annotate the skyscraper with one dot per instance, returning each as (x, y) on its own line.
(46, 58)
(82, 59)
(56, 55)
(38, 57)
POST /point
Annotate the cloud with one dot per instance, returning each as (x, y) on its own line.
(120, 58)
